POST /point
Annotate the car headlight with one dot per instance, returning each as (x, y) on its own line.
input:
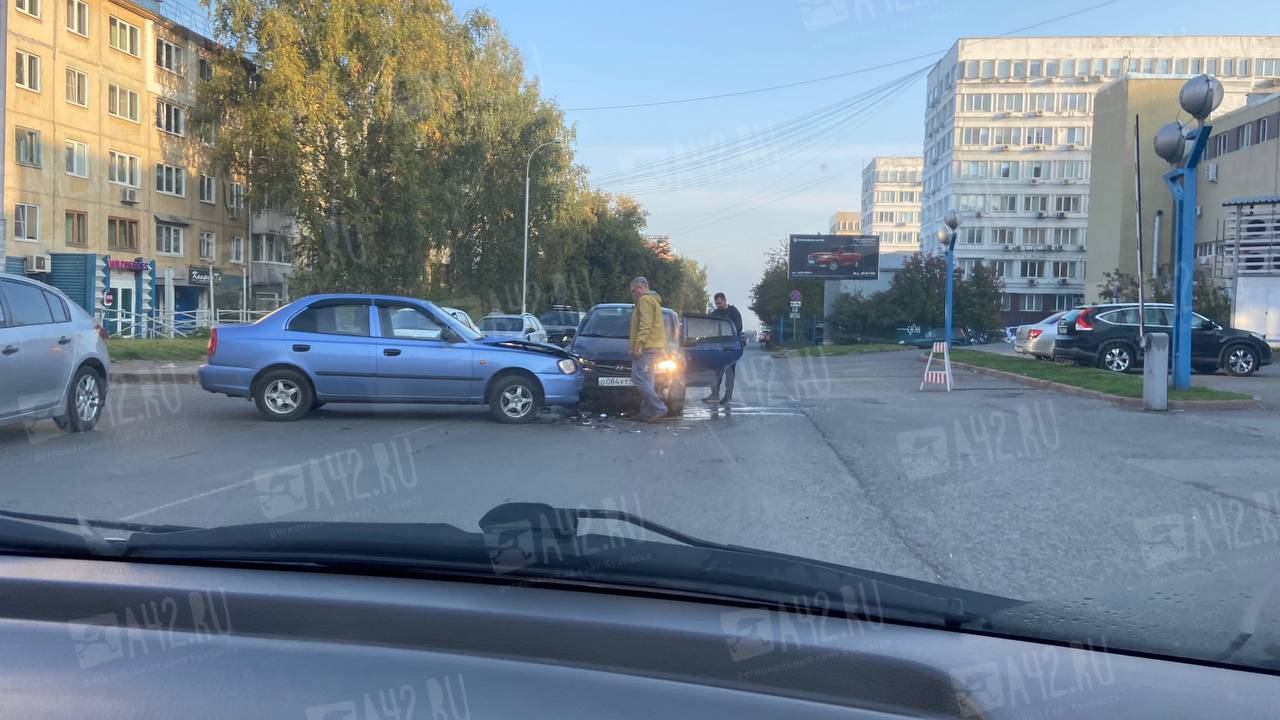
(567, 366)
(667, 366)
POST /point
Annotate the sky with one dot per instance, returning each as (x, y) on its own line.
(590, 53)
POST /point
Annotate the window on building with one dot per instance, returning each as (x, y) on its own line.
(77, 87)
(235, 198)
(1007, 136)
(1019, 69)
(1040, 136)
(1035, 203)
(1032, 269)
(1052, 68)
(271, 247)
(1220, 144)
(1074, 136)
(1099, 66)
(1242, 67)
(1009, 102)
(1228, 67)
(970, 69)
(123, 36)
(171, 180)
(1264, 130)
(1068, 203)
(123, 169)
(122, 234)
(977, 102)
(1032, 302)
(30, 7)
(884, 216)
(1035, 69)
(1034, 236)
(971, 203)
(208, 246)
(26, 70)
(1180, 66)
(168, 239)
(205, 68)
(170, 57)
(78, 17)
(77, 159)
(975, 169)
(1244, 136)
(1067, 236)
(26, 222)
(1073, 102)
(1068, 68)
(1266, 66)
(1006, 169)
(1211, 66)
(1064, 269)
(208, 189)
(27, 146)
(1004, 203)
(987, 69)
(77, 229)
(122, 102)
(1036, 169)
(1002, 235)
(1041, 102)
(975, 136)
(970, 235)
(1114, 67)
(237, 249)
(1004, 69)
(1070, 169)
(170, 118)
(1164, 66)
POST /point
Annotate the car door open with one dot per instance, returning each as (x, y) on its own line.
(709, 343)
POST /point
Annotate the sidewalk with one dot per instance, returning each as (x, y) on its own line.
(151, 372)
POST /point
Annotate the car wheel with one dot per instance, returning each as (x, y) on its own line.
(674, 400)
(85, 399)
(283, 395)
(833, 266)
(1240, 360)
(514, 400)
(1116, 357)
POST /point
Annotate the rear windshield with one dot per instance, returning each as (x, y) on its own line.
(502, 324)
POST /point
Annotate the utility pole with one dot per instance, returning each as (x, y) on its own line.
(524, 276)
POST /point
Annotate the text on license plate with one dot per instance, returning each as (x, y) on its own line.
(615, 382)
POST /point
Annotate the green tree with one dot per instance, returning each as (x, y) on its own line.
(771, 295)
(1208, 296)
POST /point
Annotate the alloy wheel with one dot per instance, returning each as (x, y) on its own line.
(1117, 359)
(88, 398)
(282, 396)
(516, 401)
(1241, 361)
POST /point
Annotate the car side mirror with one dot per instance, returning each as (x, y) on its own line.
(449, 336)
(1208, 325)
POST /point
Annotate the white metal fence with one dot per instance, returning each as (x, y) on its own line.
(124, 323)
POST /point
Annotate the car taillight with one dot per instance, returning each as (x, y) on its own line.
(102, 332)
(1035, 333)
(1082, 320)
(213, 341)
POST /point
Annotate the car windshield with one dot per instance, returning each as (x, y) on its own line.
(559, 318)
(502, 324)
(236, 310)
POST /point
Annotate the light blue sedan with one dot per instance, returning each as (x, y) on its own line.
(382, 349)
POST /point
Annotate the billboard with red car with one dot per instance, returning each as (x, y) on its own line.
(834, 257)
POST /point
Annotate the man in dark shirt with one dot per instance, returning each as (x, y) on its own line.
(729, 373)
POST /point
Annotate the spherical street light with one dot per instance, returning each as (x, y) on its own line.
(951, 220)
(1200, 96)
(944, 237)
(1171, 142)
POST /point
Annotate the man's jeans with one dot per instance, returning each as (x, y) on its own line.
(727, 375)
(642, 378)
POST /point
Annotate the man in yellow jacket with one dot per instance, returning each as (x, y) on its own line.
(648, 340)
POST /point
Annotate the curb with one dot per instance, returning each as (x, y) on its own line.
(157, 377)
(1127, 402)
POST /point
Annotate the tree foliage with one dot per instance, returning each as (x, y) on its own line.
(397, 135)
(1208, 297)
(771, 295)
(917, 296)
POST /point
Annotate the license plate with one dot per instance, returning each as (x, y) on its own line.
(615, 382)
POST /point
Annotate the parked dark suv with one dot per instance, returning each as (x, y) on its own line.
(1106, 336)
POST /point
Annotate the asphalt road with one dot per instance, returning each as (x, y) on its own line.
(994, 486)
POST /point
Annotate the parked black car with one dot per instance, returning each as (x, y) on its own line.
(561, 323)
(1106, 336)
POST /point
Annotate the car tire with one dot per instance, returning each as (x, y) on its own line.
(1116, 356)
(833, 266)
(515, 400)
(283, 395)
(85, 399)
(1240, 360)
(674, 400)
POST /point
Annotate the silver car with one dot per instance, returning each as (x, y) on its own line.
(53, 357)
(1037, 339)
(520, 327)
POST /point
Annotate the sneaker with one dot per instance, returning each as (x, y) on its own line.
(726, 402)
(711, 399)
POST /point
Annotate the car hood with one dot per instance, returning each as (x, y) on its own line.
(601, 349)
(510, 343)
(1165, 612)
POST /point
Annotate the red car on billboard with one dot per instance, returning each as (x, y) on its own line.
(836, 259)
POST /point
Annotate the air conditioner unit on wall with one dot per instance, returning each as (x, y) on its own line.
(129, 196)
(39, 263)
(1040, 215)
(1211, 172)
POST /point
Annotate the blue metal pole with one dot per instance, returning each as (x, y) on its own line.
(951, 248)
(1183, 184)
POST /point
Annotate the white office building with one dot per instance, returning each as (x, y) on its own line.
(1008, 129)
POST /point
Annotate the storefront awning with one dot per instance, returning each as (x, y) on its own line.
(172, 220)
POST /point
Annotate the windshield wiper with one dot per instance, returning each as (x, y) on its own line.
(89, 522)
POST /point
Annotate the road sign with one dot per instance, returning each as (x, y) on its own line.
(795, 315)
(795, 305)
(796, 296)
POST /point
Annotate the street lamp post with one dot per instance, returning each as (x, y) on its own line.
(1199, 97)
(524, 277)
(947, 237)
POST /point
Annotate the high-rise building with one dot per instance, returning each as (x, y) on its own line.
(1008, 130)
(845, 222)
(108, 191)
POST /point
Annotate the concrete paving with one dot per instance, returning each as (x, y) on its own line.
(995, 486)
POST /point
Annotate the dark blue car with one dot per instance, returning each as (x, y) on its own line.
(697, 347)
(382, 349)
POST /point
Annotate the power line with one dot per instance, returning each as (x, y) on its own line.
(837, 76)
